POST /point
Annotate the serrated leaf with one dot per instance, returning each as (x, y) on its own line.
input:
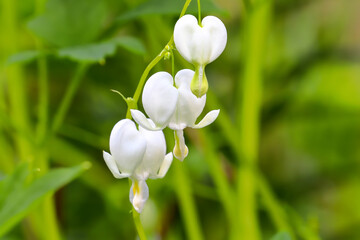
(97, 52)
(68, 22)
(281, 236)
(23, 57)
(19, 201)
(168, 7)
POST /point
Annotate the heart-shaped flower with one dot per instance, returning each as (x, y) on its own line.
(200, 45)
(139, 155)
(180, 114)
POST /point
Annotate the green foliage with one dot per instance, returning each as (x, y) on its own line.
(309, 132)
(67, 22)
(281, 236)
(23, 57)
(153, 7)
(99, 51)
(17, 197)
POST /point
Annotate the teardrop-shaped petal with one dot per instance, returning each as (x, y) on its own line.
(180, 150)
(127, 146)
(159, 98)
(110, 162)
(200, 44)
(139, 193)
(188, 107)
(209, 118)
(144, 122)
(154, 154)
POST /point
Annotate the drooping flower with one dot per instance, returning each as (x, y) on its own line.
(200, 45)
(180, 114)
(138, 155)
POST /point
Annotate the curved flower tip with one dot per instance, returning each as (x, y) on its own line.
(209, 118)
(165, 165)
(144, 122)
(180, 150)
(200, 45)
(139, 194)
(110, 162)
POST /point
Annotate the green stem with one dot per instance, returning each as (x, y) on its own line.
(172, 63)
(199, 11)
(225, 193)
(16, 83)
(43, 95)
(152, 64)
(138, 225)
(274, 208)
(249, 118)
(187, 204)
(69, 95)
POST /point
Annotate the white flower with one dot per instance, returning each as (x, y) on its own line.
(179, 114)
(139, 155)
(200, 45)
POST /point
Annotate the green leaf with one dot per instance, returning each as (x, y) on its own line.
(68, 22)
(131, 44)
(18, 200)
(281, 236)
(97, 52)
(23, 57)
(168, 7)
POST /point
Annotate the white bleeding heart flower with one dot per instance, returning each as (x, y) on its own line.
(138, 155)
(200, 45)
(159, 100)
(180, 114)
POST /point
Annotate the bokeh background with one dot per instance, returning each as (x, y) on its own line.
(308, 152)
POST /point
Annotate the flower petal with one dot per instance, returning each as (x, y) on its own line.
(112, 166)
(154, 154)
(139, 193)
(188, 107)
(180, 150)
(165, 165)
(127, 146)
(208, 119)
(159, 98)
(217, 34)
(144, 122)
(200, 44)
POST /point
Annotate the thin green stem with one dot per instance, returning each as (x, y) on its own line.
(273, 207)
(152, 64)
(172, 63)
(187, 204)
(223, 188)
(138, 225)
(43, 100)
(186, 5)
(16, 83)
(43, 96)
(249, 118)
(199, 12)
(69, 95)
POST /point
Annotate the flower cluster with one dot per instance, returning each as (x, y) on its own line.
(174, 103)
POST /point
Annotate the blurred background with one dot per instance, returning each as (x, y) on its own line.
(60, 58)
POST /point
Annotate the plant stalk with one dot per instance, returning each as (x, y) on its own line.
(256, 24)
